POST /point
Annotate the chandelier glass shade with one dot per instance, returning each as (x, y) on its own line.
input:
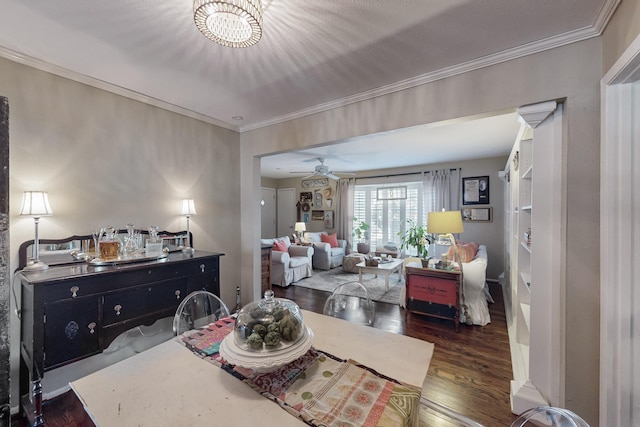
(231, 23)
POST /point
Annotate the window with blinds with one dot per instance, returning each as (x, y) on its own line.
(387, 218)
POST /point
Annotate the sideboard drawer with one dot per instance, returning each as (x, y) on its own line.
(138, 302)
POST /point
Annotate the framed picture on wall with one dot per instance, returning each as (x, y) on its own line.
(317, 215)
(328, 219)
(477, 214)
(475, 190)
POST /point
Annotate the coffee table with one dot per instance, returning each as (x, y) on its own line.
(385, 269)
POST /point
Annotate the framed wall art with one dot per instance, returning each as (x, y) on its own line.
(317, 215)
(477, 214)
(316, 182)
(475, 190)
(328, 219)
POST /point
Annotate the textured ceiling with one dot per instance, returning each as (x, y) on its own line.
(313, 55)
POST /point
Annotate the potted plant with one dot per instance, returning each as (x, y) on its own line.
(360, 232)
(416, 236)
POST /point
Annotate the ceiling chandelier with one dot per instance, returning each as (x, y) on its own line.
(231, 23)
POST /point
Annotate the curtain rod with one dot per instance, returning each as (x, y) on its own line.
(399, 174)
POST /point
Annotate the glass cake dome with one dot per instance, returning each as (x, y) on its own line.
(269, 325)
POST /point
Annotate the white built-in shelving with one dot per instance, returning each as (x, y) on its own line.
(529, 282)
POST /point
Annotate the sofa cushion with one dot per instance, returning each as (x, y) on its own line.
(280, 246)
(467, 251)
(313, 236)
(332, 239)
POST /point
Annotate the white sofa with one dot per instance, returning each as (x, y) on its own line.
(324, 256)
(291, 266)
(474, 298)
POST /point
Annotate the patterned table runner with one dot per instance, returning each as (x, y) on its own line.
(318, 388)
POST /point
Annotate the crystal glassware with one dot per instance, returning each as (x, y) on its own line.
(109, 245)
(130, 242)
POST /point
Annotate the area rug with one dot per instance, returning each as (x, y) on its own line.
(331, 279)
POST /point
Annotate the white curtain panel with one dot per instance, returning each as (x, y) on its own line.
(346, 190)
(441, 190)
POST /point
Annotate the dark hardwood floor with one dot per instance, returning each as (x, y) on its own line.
(470, 371)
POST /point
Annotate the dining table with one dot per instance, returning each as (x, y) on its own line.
(168, 385)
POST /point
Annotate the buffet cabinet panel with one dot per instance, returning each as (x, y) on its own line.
(70, 312)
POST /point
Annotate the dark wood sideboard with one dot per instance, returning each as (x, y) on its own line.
(70, 312)
(434, 293)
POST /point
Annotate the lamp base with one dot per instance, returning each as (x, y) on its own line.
(186, 249)
(35, 266)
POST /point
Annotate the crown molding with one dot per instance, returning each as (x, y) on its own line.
(486, 61)
(109, 87)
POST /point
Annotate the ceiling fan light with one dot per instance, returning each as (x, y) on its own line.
(231, 23)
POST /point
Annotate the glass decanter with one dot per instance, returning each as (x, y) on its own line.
(130, 241)
(109, 244)
(154, 243)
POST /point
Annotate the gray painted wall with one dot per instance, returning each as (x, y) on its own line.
(569, 73)
(105, 159)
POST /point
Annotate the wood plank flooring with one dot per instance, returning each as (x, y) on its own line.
(470, 371)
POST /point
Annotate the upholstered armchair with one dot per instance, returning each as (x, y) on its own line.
(326, 256)
(289, 263)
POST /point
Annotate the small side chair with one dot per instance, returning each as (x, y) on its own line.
(351, 301)
(198, 309)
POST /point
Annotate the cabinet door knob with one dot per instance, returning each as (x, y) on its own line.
(74, 291)
(117, 309)
(177, 294)
(92, 327)
(202, 267)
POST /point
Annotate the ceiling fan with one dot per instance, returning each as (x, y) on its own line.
(323, 170)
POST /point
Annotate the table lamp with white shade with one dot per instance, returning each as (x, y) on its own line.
(445, 224)
(36, 205)
(188, 209)
(300, 227)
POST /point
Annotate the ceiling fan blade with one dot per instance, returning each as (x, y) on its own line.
(332, 176)
(313, 175)
(302, 172)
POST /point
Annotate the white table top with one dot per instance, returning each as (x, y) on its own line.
(391, 265)
(168, 385)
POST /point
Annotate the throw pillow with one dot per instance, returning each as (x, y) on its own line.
(467, 251)
(331, 239)
(280, 246)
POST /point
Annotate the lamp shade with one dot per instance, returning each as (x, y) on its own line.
(188, 207)
(300, 226)
(444, 222)
(35, 204)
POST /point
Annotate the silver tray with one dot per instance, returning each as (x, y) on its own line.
(136, 257)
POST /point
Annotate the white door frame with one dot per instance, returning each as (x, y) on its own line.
(619, 236)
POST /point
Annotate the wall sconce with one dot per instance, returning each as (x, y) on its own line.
(188, 209)
(35, 204)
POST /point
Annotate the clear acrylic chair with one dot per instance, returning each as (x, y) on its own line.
(444, 416)
(549, 416)
(198, 309)
(351, 301)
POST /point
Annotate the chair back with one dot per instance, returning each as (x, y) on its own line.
(351, 301)
(198, 309)
(549, 416)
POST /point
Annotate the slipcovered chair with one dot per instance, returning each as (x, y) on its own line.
(325, 257)
(291, 265)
